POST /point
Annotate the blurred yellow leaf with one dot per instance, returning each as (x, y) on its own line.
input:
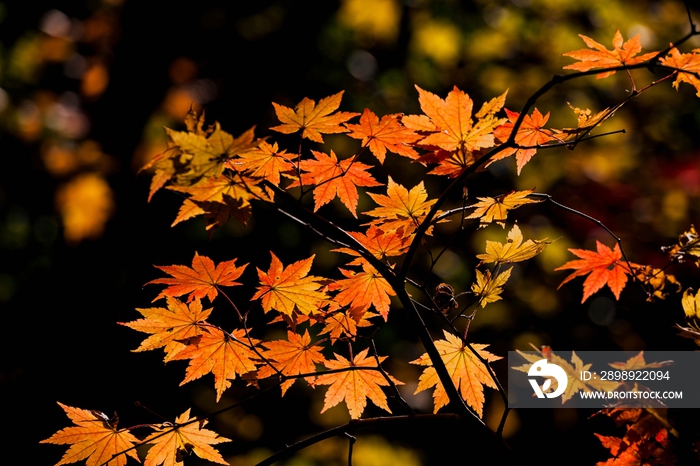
(376, 20)
(85, 204)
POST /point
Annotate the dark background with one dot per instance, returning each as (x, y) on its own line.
(61, 300)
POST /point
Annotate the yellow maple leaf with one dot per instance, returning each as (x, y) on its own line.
(487, 288)
(573, 370)
(513, 250)
(495, 209)
(467, 372)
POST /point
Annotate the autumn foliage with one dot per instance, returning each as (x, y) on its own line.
(327, 323)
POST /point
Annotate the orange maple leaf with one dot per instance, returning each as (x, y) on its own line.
(295, 356)
(379, 243)
(223, 354)
(385, 134)
(338, 324)
(355, 386)
(645, 442)
(202, 279)
(452, 121)
(530, 133)
(400, 207)
(265, 161)
(333, 178)
(360, 290)
(689, 62)
(167, 327)
(285, 289)
(170, 442)
(313, 119)
(94, 437)
(467, 372)
(603, 266)
(600, 57)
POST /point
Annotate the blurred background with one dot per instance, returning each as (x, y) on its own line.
(87, 86)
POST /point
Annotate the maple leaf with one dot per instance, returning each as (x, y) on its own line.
(691, 309)
(638, 362)
(333, 178)
(645, 441)
(489, 288)
(265, 161)
(313, 119)
(216, 214)
(451, 118)
(360, 290)
(400, 207)
(450, 164)
(355, 386)
(600, 57)
(691, 305)
(467, 372)
(167, 327)
(385, 134)
(220, 197)
(490, 209)
(200, 280)
(94, 438)
(170, 442)
(585, 122)
(338, 324)
(603, 266)
(379, 243)
(221, 353)
(203, 157)
(573, 370)
(687, 65)
(292, 357)
(530, 133)
(285, 289)
(513, 250)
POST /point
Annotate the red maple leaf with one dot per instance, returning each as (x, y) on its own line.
(603, 266)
